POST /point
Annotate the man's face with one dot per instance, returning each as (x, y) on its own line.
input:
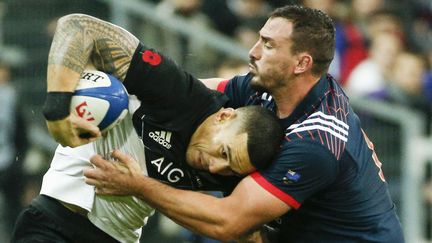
(271, 61)
(218, 147)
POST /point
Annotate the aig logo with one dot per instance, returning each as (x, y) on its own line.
(82, 111)
(173, 174)
(162, 137)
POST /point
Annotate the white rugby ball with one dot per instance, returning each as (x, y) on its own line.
(101, 99)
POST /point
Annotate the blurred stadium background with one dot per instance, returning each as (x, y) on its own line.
(386, 44)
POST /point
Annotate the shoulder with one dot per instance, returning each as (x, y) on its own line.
(241, 80)
(329, 130)
(305, 152)
(298, 172)
(304, 158)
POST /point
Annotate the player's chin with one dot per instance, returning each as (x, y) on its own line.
(257, 84)
(190, 157)
(255, 79)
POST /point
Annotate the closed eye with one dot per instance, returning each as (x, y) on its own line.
(268, 42)
(268, 45)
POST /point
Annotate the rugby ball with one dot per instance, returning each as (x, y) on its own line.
(101, 99)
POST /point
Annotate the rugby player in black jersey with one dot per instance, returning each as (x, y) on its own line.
(190, 140)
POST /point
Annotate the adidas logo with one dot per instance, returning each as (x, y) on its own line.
(162, 137)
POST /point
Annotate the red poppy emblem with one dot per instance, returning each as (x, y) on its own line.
(151, 58)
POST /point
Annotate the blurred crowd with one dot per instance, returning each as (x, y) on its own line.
(383, 48)
(383, 52)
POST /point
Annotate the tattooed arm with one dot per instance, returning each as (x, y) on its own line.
(81, 40)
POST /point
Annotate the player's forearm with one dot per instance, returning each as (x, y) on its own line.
(81, 39)
(213, 217)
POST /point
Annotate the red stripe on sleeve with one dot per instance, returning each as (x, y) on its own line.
(221, 86)
(274, 190)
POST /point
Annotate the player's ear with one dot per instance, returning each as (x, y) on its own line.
(225, 114)
(305, 62)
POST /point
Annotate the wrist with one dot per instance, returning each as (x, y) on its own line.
(57, 105)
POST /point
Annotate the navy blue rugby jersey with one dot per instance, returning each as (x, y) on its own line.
(173, 105)
(327, 170)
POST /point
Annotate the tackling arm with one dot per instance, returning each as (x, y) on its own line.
(225, 219)
(80, 40)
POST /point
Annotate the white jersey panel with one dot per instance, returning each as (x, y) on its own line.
(120, 217)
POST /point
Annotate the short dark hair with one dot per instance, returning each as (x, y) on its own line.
(264, 134)
(313, 32)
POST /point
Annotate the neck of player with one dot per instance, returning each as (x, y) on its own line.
(290, 96)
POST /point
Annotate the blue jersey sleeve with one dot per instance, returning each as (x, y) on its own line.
(302, 169)
(238, 91)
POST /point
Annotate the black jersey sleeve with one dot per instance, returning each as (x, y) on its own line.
(168, 94)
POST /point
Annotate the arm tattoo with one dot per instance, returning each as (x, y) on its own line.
(81, 38)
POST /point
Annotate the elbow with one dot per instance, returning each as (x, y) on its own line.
(72, 18)
(229, 231)
(228, 235)
(224, 235)
(229, 238)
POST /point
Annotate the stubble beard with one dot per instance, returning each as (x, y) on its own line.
(258, 85)
(267, 83)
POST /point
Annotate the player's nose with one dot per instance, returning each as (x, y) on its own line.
(218, 167)
(254, 53)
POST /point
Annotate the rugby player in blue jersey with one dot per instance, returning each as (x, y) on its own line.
(326, 185)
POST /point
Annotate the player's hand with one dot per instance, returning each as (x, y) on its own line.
(73, 131)
(113, 177)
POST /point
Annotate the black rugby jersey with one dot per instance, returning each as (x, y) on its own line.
(173, 105)
(327, 170)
